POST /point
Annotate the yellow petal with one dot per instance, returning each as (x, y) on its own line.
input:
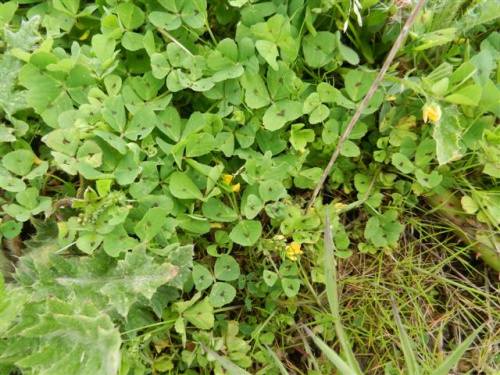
(236, 188)
(227, 178)
(431, 112)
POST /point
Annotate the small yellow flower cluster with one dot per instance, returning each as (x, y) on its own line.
(431, 111)
(293, 251)
(226, 179)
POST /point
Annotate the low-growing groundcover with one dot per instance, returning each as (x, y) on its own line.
(158, 157)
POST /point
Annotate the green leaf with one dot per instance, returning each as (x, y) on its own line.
(290, 286)
(318, 49)
(64, 141)
(230, 367)
(384, 230)
(130, 15)
(182, 187)
(281, 112)
(215, 210)
(222, 294)
(402, 163)
(299, 137)
(127, 169)
(88, 243)
(350, 149)
(256, 94)
(169, 122)
(270, 277)
(142, 124)
(246, 232)
(226, 268)
(253, 206)
(357, 84)
(447, 134)
(103, 47)
(269, 51)
(78, 326)
(428, 180)
(19, 161)
(201, 315)
(151, 224)
(202, 277)
(272, 190)
(193, 223)
(469, 95)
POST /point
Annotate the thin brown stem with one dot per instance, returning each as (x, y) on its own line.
(369, 94)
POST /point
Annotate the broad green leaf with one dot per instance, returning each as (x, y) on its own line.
(253, 206)
(402, 163)
(142, 124)
(19, 162)
(447, 134)
(246, 232)
(357, 84)
(76, 325)
(64, 141)
(469, 95)
(199, 144)
(151, 224)
(182, 187)
(281, 112)
(89, 242)
(215, 210)
(299, 137)
(169, 122)
(272, 190)
(118, 242)
(127, 169)
(222, 294)
(230, 367)
(290, 286)
(201, 315)
(130, 15)
(202, 277)
(113, 140)
(90, 153)
(193, 223)
(103, 47)
(226, 268)
(318, 49)
(270, 277)
(350, 149)
(269, 51)
(256, 94)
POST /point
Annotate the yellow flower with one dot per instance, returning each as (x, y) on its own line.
(339, 206)
(293, 251)
(227, 178)
(236, 188)
(431, 112)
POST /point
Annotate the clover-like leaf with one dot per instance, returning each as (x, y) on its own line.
(222, 294)
(215, 210)
(201, 315)
(182, 187)
(226, 268)
(19, 161)
(290, 286)
(202, 277)
(246, 232)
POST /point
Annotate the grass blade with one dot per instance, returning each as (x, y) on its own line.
(406, 343)
(277, 361)
(230, 367)
(333, 357)
(454, 357)
(333, 298)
